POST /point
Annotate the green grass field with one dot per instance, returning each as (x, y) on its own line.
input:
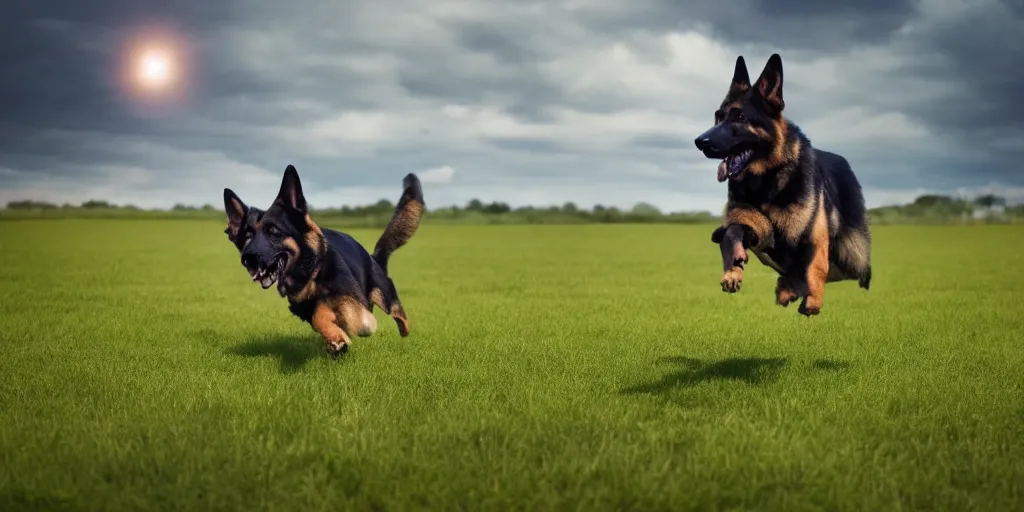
(587, 367)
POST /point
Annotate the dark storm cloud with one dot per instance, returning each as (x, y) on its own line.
(797, 24)
(521, 89)
(39, 67)
(660, 142)
(816, 24)
(61, 55)
(62, 107)
(980, 49)
(502, 41)
(532, 145)
(976, 52)
(111, 13)
(266, 71)
(897, 169)
(66, 57)
(983, 49)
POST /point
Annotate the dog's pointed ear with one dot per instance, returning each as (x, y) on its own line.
(236, 210)
(740, 78)
(769, 84)
(291, 191)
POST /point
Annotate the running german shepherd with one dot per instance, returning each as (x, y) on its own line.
(800, 210)
(328, 278)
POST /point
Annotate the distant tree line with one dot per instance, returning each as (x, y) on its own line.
(924, 209)
(946, 209)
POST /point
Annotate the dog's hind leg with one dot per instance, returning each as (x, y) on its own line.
(818, 267)
(388, 301)
(356, 319)
(789, 289)
(397, 312)
(790, 286)
(324, 322)
(377, 298)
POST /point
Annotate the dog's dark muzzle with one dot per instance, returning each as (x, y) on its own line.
(711, 142)
(251, 260)
(258, 253)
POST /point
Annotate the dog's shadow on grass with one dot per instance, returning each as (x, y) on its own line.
(691, 372)
(753, 371)
(294, 352)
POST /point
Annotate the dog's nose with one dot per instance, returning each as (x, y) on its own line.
(250, 260)
(702, 143)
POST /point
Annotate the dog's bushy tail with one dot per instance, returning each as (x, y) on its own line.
(403, 224)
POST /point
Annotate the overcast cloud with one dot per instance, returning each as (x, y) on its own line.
(528, 102)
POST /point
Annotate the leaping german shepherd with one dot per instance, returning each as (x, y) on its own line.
(329, 279)
(800, 210)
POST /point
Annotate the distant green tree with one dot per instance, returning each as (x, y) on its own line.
(646, 209)
(30, 205)
(383, 206)
(932, 200)
(989, 200)
(497, 207)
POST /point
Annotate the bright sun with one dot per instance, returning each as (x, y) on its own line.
(155, 69)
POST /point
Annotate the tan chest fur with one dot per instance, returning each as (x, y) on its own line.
(791, 221)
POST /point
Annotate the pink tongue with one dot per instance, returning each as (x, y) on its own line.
(723, 171)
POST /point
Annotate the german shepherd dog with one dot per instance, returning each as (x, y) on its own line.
(329, 279)
(800, 210)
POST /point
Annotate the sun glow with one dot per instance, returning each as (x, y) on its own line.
(155, 68)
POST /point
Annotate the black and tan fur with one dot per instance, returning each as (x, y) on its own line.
(800, 210)
(329, 279)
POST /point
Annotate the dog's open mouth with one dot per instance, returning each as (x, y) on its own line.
(733, 165)
(267, 276)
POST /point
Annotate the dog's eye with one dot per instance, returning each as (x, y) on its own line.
(273, 230)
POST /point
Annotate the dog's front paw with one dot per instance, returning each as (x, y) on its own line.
(810, 306)
(732, 280)
(337, 349)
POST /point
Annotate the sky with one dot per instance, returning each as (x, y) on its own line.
(521, 101)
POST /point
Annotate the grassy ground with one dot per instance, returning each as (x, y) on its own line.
(562, 367)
